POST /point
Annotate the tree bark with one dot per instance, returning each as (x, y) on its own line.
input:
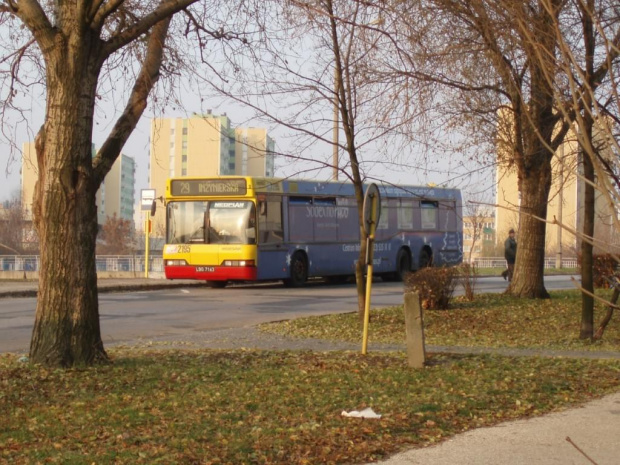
(535, 124)
(586, 330)
(610, 312)
(528, 279)
(343, 98)
(66, 330)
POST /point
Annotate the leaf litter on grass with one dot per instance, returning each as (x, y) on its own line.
(491, 320)
(272, 407)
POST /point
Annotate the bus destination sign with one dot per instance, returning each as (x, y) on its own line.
(206, 187)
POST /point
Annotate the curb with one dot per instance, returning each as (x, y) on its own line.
(110, 289)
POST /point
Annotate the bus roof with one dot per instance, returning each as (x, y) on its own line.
(329, 188)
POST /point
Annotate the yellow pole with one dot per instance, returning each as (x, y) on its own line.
(369, 254)
(367, 304)
(146, 248)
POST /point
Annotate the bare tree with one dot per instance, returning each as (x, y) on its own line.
(589, 61)
(74, 49)
(320, 58)
(476, 214)
(117, 237)
(13, 227)
(499, 59)
(503, 39)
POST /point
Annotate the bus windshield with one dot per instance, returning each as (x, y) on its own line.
(211, 222)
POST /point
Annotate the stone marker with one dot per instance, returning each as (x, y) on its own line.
(414, 326)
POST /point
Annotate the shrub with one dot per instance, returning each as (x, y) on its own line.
(603, 266)
(435, 286)
(468, 273)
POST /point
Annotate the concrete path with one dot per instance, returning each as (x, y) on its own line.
(579, 436)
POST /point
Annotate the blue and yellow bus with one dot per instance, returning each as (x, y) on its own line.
(228, 229)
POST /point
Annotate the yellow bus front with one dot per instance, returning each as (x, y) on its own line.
(211, 239)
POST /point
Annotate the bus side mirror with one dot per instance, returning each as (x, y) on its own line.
(262, 208)
(153, 207)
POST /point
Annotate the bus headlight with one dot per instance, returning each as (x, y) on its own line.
(238, 263)
(176, 263)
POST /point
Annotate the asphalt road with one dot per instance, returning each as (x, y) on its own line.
(127, 316)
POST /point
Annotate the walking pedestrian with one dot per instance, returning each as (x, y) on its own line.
(510, 254)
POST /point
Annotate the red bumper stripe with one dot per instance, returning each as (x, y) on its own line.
(219, 273)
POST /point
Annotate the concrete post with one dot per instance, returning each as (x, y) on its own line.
(414, 326)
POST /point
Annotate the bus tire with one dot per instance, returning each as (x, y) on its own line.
(426, 258)
(299, 271)
(403, 265)
(216, 284)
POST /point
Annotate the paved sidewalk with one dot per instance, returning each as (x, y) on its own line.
(579, 436)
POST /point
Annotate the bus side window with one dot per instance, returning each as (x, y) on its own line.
(429, 214)
(270, 221)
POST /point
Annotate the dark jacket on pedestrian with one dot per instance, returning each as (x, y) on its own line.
(510, 250)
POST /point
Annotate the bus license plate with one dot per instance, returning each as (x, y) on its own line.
(205, 269)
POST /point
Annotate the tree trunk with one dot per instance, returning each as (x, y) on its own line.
(535, 123)
(608, 315)
(586, 330)
(587, 279)
(528, 279)
(66, 330)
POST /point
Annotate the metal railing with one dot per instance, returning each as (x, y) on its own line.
(498, 262)
(105, 263)
(135, 263)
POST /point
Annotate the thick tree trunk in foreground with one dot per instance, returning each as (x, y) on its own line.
(74, 46)
(66, 330)
(528, 280)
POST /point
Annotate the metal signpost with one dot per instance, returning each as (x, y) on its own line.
(372, 213)
(146, 203)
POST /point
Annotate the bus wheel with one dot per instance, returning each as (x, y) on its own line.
(299, 271)
(403, 265)
(426, 258)
(216, 284)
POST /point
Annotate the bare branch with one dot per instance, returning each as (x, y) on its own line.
(166, 9)
(136, 104)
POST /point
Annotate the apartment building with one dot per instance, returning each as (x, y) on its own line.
(478, 237)
(114, 197)
(204, 146)
(565, 205)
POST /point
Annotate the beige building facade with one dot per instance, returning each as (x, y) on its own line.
(478, 237)
(204, 146)
(565, 205)
(114, 197)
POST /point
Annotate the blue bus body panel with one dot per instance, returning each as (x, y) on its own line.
(340, 259)
(328, 234)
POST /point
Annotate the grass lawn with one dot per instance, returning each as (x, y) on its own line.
(270, 407)
(491, 320)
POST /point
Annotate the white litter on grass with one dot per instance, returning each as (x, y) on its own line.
(366, 413)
